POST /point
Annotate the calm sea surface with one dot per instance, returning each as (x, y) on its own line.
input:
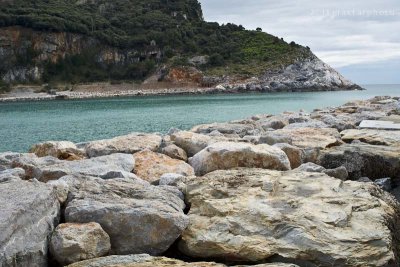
(25, 123)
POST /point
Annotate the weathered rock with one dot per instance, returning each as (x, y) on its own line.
(309, 218)
(12, 175)
(130, 144)
(171, 179)
(59, 149)
(175, 152)
(311, 137)
(339, 122)
(143, 260)
(28, 214)
(272, 138)
(308, 124)
(363, 160)
(139, 218)
(275, 122)
(225, 128)
(193, 143)
(384, 183)
(49, 168)
(7, 158)
(150, 166)
(310, 167)
(373, 137)
(365, 180)
(229, 155)
(294, 154)
(73, 242)
(339, 173)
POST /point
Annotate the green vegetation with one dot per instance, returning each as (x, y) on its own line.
(4, 87)
(175, 27)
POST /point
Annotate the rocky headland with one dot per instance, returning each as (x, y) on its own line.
(294, 189)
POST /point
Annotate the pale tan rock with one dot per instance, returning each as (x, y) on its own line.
(175, 152)
(294, 154)
(193, 143)
(59, 149)
(373, 137)
(311, 137)
(230, 155)
(72, 242)
(131, 143)
(150, 166)
(311, 218)
(144, 260)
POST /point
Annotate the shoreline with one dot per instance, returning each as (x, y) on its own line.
(71, 95)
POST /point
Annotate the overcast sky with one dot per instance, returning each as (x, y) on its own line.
(360, 38)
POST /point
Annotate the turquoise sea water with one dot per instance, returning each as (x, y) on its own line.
(25, 123)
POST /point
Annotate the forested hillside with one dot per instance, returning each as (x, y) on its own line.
(148, 33)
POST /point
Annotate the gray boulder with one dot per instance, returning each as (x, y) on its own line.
(49, 168)
(28, 215)
(139, 218)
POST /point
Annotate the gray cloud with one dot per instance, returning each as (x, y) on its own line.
(343, 33)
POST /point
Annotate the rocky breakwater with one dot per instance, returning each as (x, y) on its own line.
(295, 189)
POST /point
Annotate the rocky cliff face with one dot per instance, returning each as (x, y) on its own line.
(25, 52)
(310, 74)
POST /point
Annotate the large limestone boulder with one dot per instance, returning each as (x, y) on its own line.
(373, 137)
(59, 149)
(229, 155)
(311, 137)
(253, 215)
(193, 143)
(143, 260)
(139, 218)
(73, 242)
(129, 144)
(49, 168)
(226, 128)
(150, 166)
(29, 211)
(363, 160)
